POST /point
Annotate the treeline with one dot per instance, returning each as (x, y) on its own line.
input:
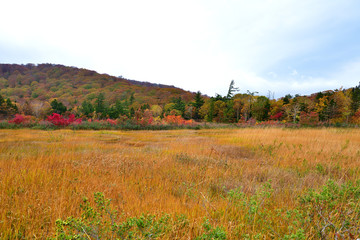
(331, 107)
(41, 90)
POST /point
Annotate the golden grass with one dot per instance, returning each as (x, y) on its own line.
(44, 175)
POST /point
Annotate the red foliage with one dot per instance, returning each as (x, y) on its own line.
(276, 116)
(111, 121)
(59, 120)
(146, 119)
(309, 119)
(19, 119)
(356, 118)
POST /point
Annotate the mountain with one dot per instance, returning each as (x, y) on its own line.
(71, 85)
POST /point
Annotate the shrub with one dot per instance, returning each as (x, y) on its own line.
(211, 232)
(334, 211)
(101, 222)
(177, 120)
(59, 120)
(20, 119)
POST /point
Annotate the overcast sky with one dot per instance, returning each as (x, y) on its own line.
(283, 46)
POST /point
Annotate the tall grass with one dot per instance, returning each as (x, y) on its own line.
(244, 183)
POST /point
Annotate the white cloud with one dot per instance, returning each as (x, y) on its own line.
(294, 73)
(196, 45)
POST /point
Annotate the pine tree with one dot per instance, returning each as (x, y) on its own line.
(355, 99)
(58, 107)
(232, 90)
(199, 102)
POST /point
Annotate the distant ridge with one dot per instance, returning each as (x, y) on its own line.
(149, 84)
(72, 85)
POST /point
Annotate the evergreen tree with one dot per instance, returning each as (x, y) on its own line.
(100, 107)
(232, 90)
(355, 99)
(120, 108)
(113, 112)
(145, 106)
(286, 99)
(87, 108)
(2, 100)
(210, 115)
(132, 112)
(179, 105)
(58, 107)
(116, 110)
(199, 102)
(132, 98)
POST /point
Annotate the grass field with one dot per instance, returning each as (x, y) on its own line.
(206, 184)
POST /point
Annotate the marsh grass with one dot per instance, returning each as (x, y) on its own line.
(211, 183)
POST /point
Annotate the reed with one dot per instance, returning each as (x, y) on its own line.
(240, 180)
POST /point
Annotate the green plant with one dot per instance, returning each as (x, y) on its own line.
(334, 211)
(101, 222)
(211, 232)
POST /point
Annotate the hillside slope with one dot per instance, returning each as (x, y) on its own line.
(73, 85)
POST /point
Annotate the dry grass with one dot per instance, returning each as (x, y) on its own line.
(44, 175)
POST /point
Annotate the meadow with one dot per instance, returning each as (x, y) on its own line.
(270, 183)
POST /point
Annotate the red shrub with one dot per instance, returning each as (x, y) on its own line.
(19, 119)
(59, 120)
(111, 121)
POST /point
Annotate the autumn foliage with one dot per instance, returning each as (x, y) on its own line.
(40, 90)
(177, 120)
(59, 120)
(309, 119)
(20, 119)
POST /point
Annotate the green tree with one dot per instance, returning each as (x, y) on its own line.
(261, 108)
(179, 105)
(132, 98)
(199, 102)
(116, 110)
(2, 106)
(120, 107)
(58, 107)
(210, 115)
(229, 111)
(355, 99)
(100, 106)
(7, 107)
(286, 99)
(87, 108)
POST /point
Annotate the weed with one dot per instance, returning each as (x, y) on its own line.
(100, 222)
(211, 233)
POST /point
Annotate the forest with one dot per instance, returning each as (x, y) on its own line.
(48, 91)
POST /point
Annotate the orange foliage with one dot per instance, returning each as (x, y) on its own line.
(177, 120)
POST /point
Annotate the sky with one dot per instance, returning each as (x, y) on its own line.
(265, 46)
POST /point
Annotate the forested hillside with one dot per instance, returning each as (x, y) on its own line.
(40, 90)
(71, 86)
